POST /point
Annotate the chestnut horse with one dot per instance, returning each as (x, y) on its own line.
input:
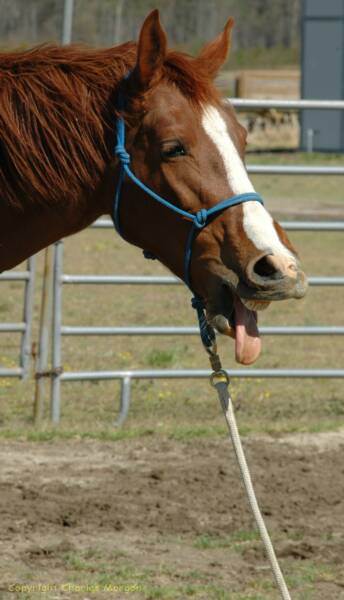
(58, 170)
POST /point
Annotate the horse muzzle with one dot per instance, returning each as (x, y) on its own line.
(269, 277)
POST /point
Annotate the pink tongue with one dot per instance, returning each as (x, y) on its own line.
(247, 340)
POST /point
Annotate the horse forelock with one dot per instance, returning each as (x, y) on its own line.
(193, 80)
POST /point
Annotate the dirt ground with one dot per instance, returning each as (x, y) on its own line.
(159, 518)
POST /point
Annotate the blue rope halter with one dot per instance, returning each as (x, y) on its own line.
(199, 220)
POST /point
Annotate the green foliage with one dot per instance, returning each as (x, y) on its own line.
(261, 57)
(188, 23)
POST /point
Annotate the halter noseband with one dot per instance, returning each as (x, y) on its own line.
(199, 220)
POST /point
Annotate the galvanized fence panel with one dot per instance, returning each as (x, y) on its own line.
(259, 104)
(57, 24)
(126, 377)
(25, 326)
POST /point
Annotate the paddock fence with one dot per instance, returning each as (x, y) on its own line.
(127, 376)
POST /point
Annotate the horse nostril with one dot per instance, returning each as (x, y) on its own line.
(271, 270)
(266, 267)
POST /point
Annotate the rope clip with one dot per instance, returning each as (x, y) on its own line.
(219, 377)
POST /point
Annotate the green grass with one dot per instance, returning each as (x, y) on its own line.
(241, 537)
(32, 434)
(160, 358)
(306, 576)
(299, 193)
(205, 592)
(103, 570)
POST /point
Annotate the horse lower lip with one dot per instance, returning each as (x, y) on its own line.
(283, 290)
(255, 305)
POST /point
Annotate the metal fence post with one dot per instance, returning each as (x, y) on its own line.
(56, 337)
(25, 347)
(44, 331)
(51, 257)
(67, 25)
(124, 401)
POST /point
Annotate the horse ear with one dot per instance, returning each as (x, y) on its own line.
(151, 50)
(214, 54)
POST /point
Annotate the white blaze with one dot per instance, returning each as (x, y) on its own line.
(257, 222)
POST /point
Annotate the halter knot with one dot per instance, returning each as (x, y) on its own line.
(201, 218)
(197, 303)
(122, 154)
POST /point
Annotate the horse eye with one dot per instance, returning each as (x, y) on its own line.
(173, 151)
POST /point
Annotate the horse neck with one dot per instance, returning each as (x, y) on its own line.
(57, 128)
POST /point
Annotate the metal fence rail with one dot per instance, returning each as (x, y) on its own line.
(12, 327)
(202, 373)
(167, 280)
(248, 103)
(15, 372)
(126, 377)
(24, 327)
(294, 170)
(162, 330)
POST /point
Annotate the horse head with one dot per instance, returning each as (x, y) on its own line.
(187, 145)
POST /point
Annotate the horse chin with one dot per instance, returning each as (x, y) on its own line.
(238, 320)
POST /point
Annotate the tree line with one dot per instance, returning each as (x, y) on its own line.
(189, 23)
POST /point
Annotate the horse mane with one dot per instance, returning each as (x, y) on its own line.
(57, 110)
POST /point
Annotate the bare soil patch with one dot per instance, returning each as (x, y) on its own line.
(170, 518)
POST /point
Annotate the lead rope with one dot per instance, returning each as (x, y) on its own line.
(220, 380)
